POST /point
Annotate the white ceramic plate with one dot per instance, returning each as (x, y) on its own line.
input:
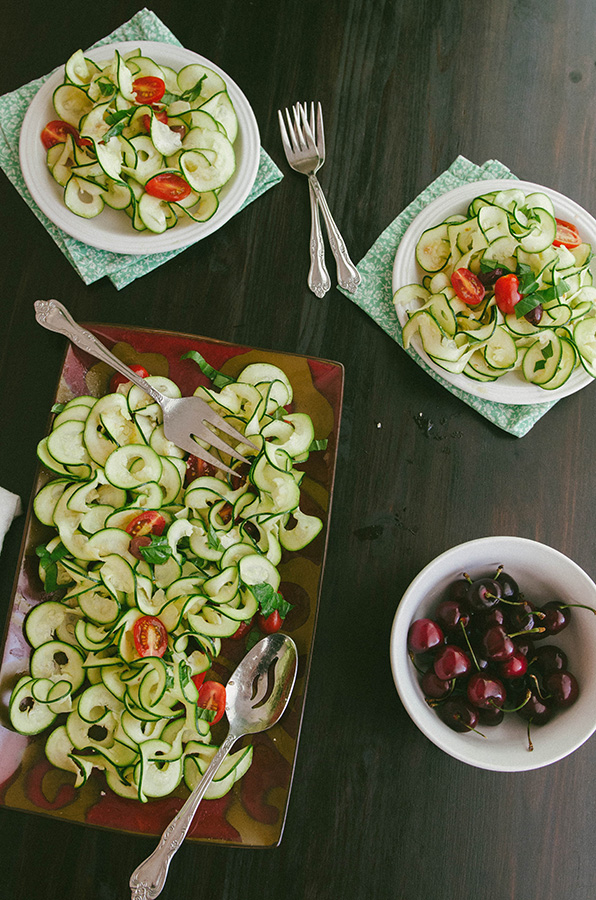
(542, 574)
(510, 388)
(111, 230)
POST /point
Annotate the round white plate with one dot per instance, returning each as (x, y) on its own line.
(510, 388)
(112, 230)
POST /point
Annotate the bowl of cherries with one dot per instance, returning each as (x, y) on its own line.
(493, 653)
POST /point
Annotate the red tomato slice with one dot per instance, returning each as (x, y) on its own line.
(161, 115)
(567, 235)
(56, 132)
(148, 89)
(212, 697)
(196, 467)
(242, 629)
(507, 293)
(271, 623)
(468, 286)
(198, 679)
(117, 379)
(168, 186)
(147, 522)
(150, 636)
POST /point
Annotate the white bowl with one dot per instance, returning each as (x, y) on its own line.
(111, 229)
(510, 388)
(542, 574)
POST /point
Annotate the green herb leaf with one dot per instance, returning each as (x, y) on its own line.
(212, 539)
(105, 86)
(270, 600)
(58, 407)
(318, 445)
(118, 120)
(207, 714)
(194, 93)
(526, 305)
(48, 561)
(218, 378)
(158, 551)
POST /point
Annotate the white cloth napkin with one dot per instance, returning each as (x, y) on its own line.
(10, 508)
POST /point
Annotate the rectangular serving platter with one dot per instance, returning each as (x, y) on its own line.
(253, 813)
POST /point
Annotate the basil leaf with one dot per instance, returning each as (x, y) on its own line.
(526, 305)
(194, 93)
(58, 407)
(318, 445)
(212, 539)
(270, 600)
(48, 561)
(118, 120)
(158, 551)
(218, 378)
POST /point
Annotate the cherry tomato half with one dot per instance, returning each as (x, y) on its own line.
(196, 467)
(242, 629)
(148, 89)
(147, 522)
(56, 132)
(161, 115)
(468, 286)
(212, 697)
(198, 679)
(150, 636)
(567, 235)
(507, 293)
(117, 379)
(271, 623)
(168, 186)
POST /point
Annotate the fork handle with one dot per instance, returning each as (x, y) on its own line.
(318, 276)
(55, 317)
(149, 877)
(348, 276)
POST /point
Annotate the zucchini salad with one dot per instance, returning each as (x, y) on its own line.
(137, 136)
(507, 288)
(156, 557)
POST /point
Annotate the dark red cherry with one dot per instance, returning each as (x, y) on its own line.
(509, 588)
(458, 715)
(514, 667)
(549, 658)
(484, 593)
(522, 617)
(491, 715)
(525, 645)
(458, 590)
(484, 691)
(451, 662)
(497, 644)
(563, 688)
(536, 710)
(556, 617)
(451, 615)
(433, 687)
(424, 635)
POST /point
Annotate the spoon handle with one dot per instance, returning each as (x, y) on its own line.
(148, 879)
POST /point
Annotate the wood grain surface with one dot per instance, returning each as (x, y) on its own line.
(377, 812)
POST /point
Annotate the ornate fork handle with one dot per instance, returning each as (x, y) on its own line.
(348, 275)
(148, 879)
(55, 317)
(318, 276)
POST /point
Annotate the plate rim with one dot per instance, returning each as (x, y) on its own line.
(42, 187)
(503, 392)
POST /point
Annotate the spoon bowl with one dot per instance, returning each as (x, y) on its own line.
(256, 696)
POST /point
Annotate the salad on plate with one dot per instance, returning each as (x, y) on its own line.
(506, 288)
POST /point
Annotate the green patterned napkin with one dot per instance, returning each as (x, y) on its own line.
(375, 293)
(89, 262)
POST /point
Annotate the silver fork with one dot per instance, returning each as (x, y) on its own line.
(183, 418)
(305, 154)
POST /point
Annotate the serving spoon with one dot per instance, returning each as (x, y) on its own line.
(256, 696)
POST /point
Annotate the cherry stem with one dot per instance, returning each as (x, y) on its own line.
(521, 705)
(473, 655)
(579, 605)
(469, 727)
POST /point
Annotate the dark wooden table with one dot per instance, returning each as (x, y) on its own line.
(376, 811)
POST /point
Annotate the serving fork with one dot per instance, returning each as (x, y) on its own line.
(304, 146)
(184, 418)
